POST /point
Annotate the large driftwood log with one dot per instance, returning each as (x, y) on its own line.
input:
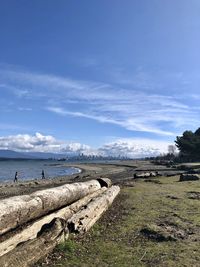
(83, 220)
(28, 253)
(17, 210)
(32, 229)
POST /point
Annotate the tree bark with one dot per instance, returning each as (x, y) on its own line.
(28, 253)
(83, 220)
(18, 210)
(105, 182)
(32, 229)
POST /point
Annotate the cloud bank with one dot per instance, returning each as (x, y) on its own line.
(133, 148)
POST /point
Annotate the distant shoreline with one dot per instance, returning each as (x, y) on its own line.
(88, 171)
(119, 172)
(32, 169)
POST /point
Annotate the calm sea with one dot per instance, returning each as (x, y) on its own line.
(32, 169)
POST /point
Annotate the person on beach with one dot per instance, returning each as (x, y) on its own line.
(43, 177)
(16, 177)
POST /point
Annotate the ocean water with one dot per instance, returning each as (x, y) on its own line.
(32, 169)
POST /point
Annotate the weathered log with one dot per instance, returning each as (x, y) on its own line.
(189, 177)
(31, 230)
(142, 175)
(146, 174)
(105, 182)
(17, 210)
(83, 220)
(28, 253)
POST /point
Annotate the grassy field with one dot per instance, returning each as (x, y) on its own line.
(152, 223)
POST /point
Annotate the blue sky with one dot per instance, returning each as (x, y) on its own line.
(115, 76)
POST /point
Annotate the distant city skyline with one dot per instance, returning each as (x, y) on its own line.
(98, 77)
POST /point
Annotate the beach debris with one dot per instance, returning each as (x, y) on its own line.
(31, 241)
(189, 177)
(146, 174)
(83, 220)
(194, 195)
(32, 229)
(17, 210)
(28, 253)
(104, 182)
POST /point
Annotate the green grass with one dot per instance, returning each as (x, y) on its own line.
(116, 240)
(69, 246)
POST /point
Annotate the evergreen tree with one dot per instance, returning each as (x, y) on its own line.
(189, 145)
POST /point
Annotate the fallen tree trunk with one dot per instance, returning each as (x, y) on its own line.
(31, 230)
(146, 174)
(189, 177)
(28, 253)
(17, 210)
(40, 237)
(105, 182)
(83, 220)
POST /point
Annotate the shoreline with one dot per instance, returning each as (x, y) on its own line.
(88, 171)
(119, 172)
(28, 171)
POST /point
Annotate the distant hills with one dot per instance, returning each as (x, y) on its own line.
(10, 154)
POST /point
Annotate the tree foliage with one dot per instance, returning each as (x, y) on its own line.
(189, 145)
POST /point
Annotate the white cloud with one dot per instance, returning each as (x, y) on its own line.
(133, 148)
(43, 143)
(130, 124)
(25, 142)
(130, 108)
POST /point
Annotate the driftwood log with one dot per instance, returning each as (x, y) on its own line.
(15, 211)
(32, 229)
(83, 220)
(189, 177)
(28, 253)
(105, 182)
(25, 245)
(145, 174)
